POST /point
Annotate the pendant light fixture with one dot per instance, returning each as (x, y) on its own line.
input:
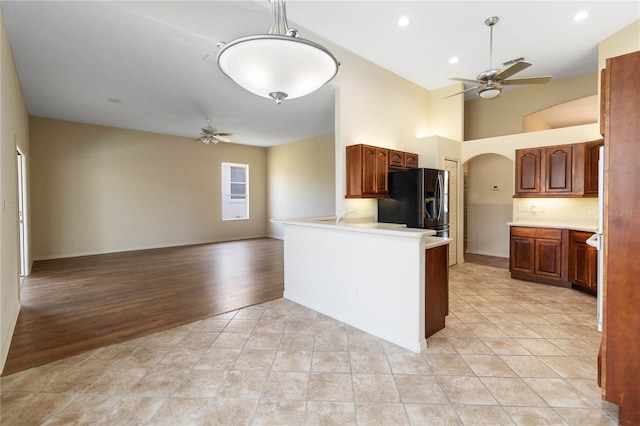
(278, 65)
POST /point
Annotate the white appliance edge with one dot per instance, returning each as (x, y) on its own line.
(597, 239)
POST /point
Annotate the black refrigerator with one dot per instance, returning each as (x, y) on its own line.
(419, 198)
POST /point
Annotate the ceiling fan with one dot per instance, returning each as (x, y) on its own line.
(489, 83)
(211, 135)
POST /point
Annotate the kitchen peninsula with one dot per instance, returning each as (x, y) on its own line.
(386, 280)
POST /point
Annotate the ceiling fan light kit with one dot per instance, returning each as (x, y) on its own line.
(278, 65)
(489, 83)
(211, 135)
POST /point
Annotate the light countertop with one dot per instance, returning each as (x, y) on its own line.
(556, 224)
(367, 226)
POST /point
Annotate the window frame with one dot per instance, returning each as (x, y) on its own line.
(231, 198)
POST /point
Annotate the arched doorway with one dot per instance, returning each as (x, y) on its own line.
(488, 205)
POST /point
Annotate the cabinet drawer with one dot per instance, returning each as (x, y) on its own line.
(548, 233)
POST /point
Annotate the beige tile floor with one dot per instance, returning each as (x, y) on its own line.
(512, 353)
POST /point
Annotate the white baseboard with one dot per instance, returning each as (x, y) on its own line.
(488, 253)
(151, 247)
(7, 335)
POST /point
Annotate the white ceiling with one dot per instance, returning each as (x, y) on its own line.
(75, 58)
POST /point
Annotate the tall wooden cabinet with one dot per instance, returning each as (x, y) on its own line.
(620, 349)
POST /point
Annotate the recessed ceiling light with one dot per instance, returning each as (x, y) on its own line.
(454, 60)
(581, 15)
(403, 22)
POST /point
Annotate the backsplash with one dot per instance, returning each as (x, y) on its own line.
(582, 211)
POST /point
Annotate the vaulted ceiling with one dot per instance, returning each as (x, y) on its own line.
(150, 65)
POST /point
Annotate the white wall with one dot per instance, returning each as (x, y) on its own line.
(98, 189)
(14, 134)
(488, 210)
(301, 180)
(374, 107)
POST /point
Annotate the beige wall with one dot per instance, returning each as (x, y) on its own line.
(14, 135)
(488, 210)
(626, 40)
(376, 107)
(301, 179)
(98, 189)
(504, 115)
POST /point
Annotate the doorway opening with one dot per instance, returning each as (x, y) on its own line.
(22, 197)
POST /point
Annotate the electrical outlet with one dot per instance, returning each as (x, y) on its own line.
(591, 210)
(522, 208)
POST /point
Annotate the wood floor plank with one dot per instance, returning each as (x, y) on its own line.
(74, 305)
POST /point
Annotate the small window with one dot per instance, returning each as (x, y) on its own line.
(235, 191)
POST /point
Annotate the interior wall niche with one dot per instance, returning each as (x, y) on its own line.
(572, 113)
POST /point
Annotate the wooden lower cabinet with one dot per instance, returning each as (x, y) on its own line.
(583, 262)
(436, 294)
(539, 254)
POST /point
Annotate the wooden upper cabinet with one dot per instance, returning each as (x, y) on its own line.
(558, 171)
(411, 160)
(380, 172)
(592, 155)
(367, 168)
(528, 171)
(396, 158)
(404, 160)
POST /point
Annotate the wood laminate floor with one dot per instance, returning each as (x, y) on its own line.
(74, 305)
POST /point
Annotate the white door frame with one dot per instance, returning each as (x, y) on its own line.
(22, 216)
(457, 241)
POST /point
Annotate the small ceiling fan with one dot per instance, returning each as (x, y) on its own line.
(211, 135)
(489, 83)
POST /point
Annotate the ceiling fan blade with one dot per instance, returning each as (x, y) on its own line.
(224, 134)
(465, 90)
(222, 138)
(530, 80)
(513, 69)
(466, 80)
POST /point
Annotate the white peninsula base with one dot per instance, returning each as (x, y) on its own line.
(369, 276)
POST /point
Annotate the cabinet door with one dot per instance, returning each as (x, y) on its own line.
(411, 160)
(369, 166)
(592, 154)
(522, 254)
(396, 158)
(558, 169)
(548, 258)
(436, 294)
(381, 170)
(579, 270)
(528, 171)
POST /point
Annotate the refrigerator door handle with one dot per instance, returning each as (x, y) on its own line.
(440, 195)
